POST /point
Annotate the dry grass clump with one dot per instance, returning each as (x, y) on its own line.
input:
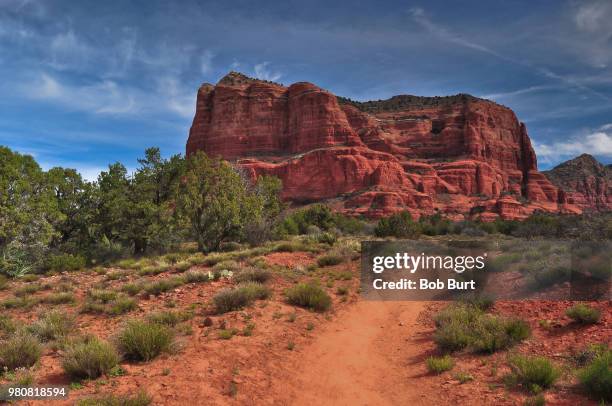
(143, 341)
(89, 358)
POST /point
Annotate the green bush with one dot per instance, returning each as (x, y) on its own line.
(52, 325)
(461, 326)
(197, 276)
(583, 314)
(89, 358)
(65, 263)
(22, 350)
(169, 318)
(253, 275)
(140, 399)
(329, 260)
(399, 225)
(310, 296)
(243, 295)
(163, 285)
(132, 288)
(438, 365)
(121, 305)
(3, 282)
(7, 325)
(533, 372)
(143, 341)
(59, 298)
(596, 378)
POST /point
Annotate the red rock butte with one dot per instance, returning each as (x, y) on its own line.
(461, 156)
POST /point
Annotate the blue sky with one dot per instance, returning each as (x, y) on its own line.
(87, 83)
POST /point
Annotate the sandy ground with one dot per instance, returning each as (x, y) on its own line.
(371, 356)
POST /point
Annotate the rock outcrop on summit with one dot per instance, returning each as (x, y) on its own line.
(585, 182)
(461, 156)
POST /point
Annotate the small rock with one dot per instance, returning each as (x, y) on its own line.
(207, 322)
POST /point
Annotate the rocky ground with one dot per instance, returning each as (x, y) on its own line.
(359, 352)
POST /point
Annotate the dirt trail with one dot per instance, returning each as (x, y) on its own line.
(371, 355)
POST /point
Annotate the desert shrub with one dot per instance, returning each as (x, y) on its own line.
(65, 263)
(327, 238)
(589, 353)
(481, 302)
(7, 325)
(243, 295)
(3, 282)
(109, 302)
(102, 296)
(437, 365)
(533, 372)
(163, 285)
(197, 276)
(253, 275)
(583, 314)
(140, 399)
(461, 326)
(121, 305)
(51, 326)
(399, 225)
(434, 225)
(29, 289)
(143, 341)
(492, 333)
(228, 265)
(309, 295)
(169, 318)
(59, 298)
(329, 260)
(25, 302)
(596, 378)
(22, 350)
(132, 288)
(89, 358)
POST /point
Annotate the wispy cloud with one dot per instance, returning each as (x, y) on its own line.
(103, 97)
(597, 142)
(421, 18)
(518, 92)
(262, 71)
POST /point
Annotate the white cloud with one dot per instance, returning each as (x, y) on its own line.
(103, 97)
(597, 142)
(261, 71)
(177, 98)
(206, 62)
(518, 92)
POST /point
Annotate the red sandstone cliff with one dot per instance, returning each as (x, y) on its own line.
(584, 181)
(459, 155)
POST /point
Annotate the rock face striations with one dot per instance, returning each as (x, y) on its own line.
(585, 182)
(459, 155)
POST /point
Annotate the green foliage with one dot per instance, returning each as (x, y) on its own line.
(321, 217)
(143, 341)
(596, 377)
(21, 350)
(462, 326)
(140, 399)
(89, 358)
(583, 314)
(437, 365)
(169, 318)
(65, 262)
(399, 225)
(243, 295)
(253, 275)
(329, 260)
(309, 295)
(52, 325)
(533, 372)
(28, 213)
(163, 285)
(219, 203)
